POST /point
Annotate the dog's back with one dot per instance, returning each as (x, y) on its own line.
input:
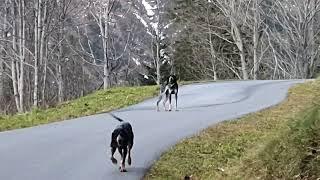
(123, 132)
(126, 132)
(123, 135)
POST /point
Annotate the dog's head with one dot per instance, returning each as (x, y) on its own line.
(172, 79)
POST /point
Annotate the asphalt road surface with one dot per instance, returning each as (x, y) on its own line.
(79, 149)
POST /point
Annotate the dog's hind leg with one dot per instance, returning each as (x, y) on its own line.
(123, 163)
(129, 155)
(113, 150)
(120, 151)
(176, 97)
(130, 145)
(170, 106)
(164, 102)
(159, 99)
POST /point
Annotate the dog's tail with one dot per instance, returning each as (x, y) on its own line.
(117, 118)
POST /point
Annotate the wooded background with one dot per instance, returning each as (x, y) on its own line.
(56, 50)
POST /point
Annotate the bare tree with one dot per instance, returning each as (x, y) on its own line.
(3, 32)
(232, 10)
(17, 58)
(37, 35)
(256, 35)
(62, 7)
(293, 34)
(157, 40)
(153, 17)
(22, 45)
(213, 52)
(101, 11)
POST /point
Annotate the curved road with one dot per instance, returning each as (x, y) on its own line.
(79, 149)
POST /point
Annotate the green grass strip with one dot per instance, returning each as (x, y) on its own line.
(100, 101)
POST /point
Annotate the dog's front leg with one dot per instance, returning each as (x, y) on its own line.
(170, 107)
(129, 155)
(164, 103)
(176, 97)
(123, 163)
(130, 145)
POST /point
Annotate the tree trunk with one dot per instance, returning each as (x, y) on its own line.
(2, 94)
(311, 38)
(37, 27)
(106, 73)
(213, 58)
(44, 77)
(14, 62)
(2, 75)
(238, 40)
(104, 25)
(42, 42)
(22, 43)
(255, 40)
(158, 63)
(105, 76)
(60, 56)
(60, 83)
(212, 51)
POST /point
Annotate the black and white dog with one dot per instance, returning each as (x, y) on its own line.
(122, 139)
(170, 87)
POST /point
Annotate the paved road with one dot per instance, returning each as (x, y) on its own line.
(78, 149)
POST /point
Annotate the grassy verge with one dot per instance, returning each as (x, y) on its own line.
(101, 101)
(282, 142)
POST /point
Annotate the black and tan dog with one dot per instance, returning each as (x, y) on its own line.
(170, 87)
(122, 139)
